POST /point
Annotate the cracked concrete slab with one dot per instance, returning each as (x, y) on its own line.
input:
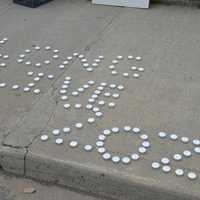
(165, 97)
(36, 23)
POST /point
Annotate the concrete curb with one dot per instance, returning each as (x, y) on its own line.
(96, 181)
(12, 160)
(100, 182)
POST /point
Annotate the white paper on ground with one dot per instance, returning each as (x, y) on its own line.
(125, 3)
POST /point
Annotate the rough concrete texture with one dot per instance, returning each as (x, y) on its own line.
(165, 98)
(12, 159)
(12, 188)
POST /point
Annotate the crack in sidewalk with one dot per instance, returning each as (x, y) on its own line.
(51, 90)
(101, 33)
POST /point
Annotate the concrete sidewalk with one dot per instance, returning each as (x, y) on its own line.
(164, 98)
